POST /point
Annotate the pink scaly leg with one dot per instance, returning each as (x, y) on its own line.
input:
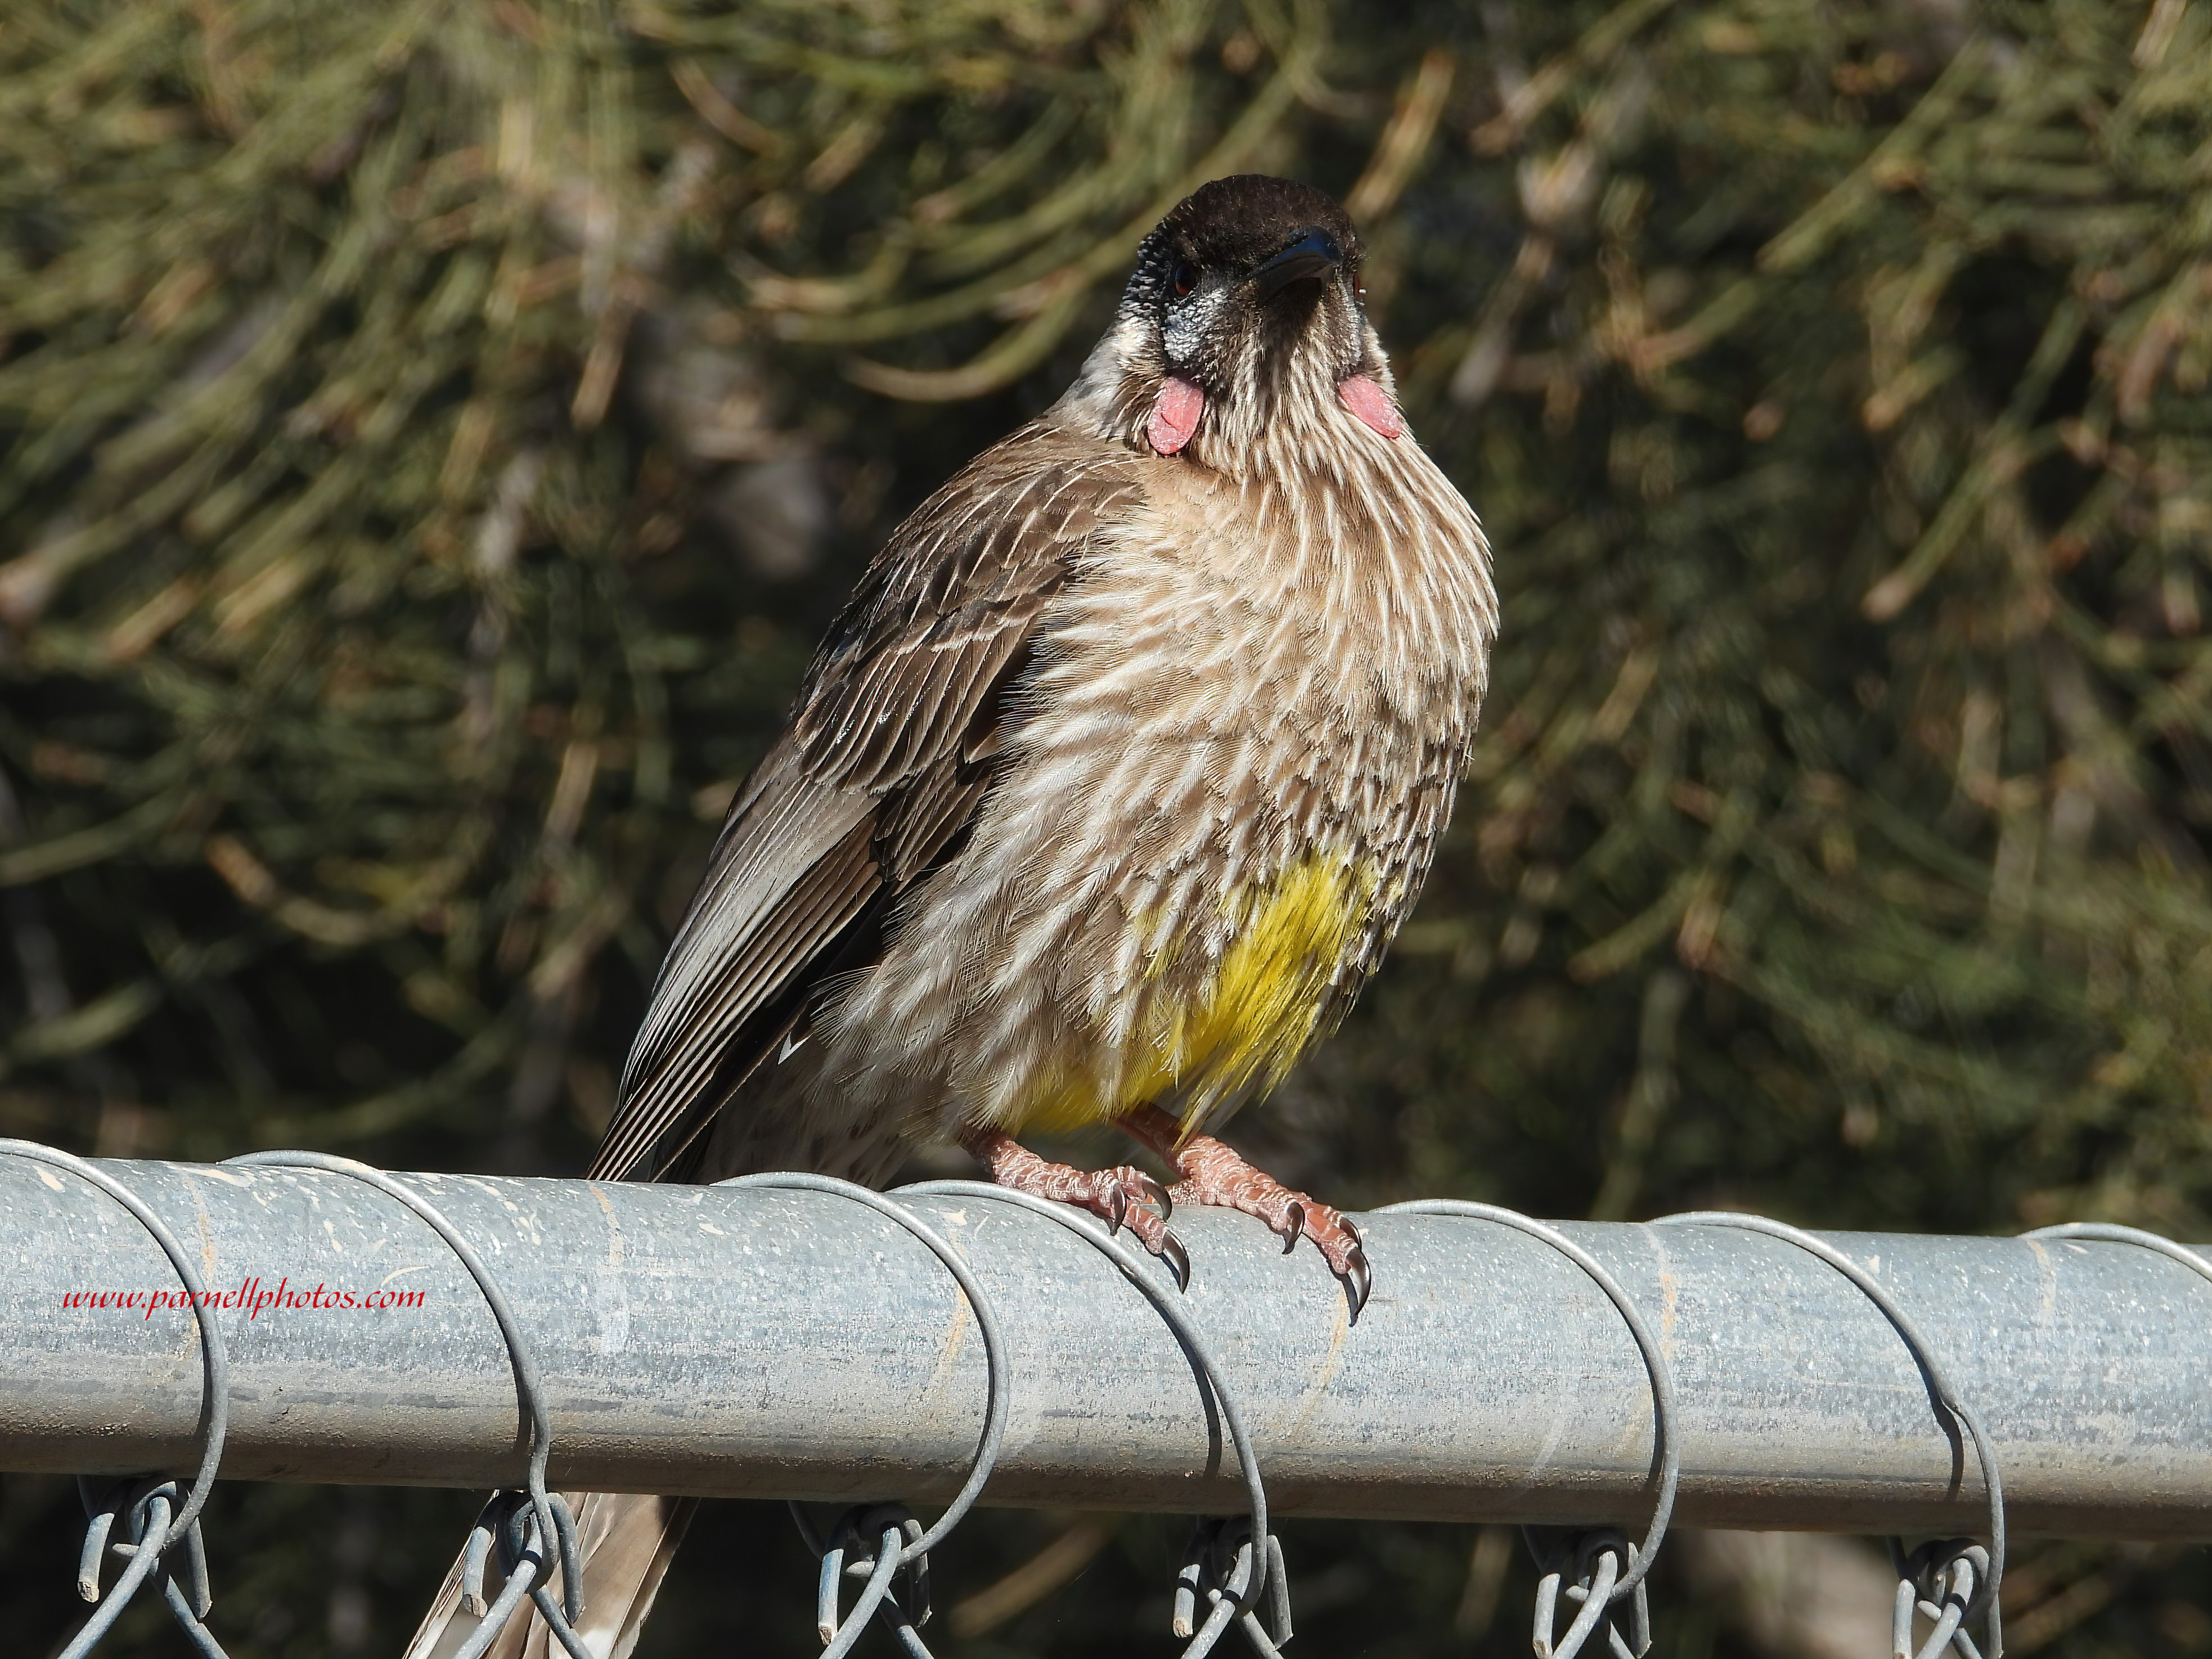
(1123, 1197)
(1212, 1174)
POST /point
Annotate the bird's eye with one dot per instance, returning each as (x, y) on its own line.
(1182, 279)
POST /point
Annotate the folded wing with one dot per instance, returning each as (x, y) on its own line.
(891, 748)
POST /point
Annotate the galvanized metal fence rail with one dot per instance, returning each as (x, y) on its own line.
(799, 1339)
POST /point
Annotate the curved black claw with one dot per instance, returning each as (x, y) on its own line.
(1119, 1199)
(1157, 1196)
(1171, 1250)
(1295, 1230)
(1358, 1279)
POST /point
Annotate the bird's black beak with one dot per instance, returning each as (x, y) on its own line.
(1315, 254)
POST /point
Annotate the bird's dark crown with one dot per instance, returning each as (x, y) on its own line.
(1248, 284)
(1237, 223)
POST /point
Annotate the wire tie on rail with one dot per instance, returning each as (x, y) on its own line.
(895, 1543)
(1955, 1581)
(153, 1518)
(523, 1550)
(1239, 1597)
(1606, 1573)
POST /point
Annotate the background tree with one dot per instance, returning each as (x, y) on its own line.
(434, 435)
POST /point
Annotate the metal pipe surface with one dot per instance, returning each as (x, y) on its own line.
(795, 1345)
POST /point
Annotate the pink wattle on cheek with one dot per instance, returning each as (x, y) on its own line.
(1175, 417)
(1368, 400)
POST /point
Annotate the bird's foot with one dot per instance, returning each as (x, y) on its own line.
(1121, 1197)
(1212, 1174)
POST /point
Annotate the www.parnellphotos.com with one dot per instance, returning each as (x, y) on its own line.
(252, 1295)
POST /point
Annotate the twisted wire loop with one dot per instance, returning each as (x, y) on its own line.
(1216, 1563)
(1942, 1570)
(869, 1541)
(1597, 1557)
(147, 1509)
(1608, 1568)
(881, 1543)
(152, 1519)
(1235, 1597)
(519, 1523)
(1938, 1581)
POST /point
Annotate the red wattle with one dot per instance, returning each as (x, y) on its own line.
(1175, 417)
(1372, 404)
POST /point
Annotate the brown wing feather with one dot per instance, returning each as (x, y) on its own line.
(890, 751)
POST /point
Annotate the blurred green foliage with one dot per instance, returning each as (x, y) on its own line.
(431, 437)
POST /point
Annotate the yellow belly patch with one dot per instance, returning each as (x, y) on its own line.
(1250, 1019)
